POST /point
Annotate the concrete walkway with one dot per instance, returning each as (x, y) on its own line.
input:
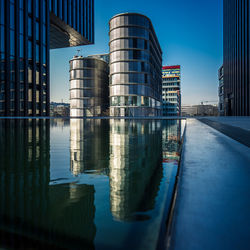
(213, 199)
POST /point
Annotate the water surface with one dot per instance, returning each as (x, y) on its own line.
(87, 183)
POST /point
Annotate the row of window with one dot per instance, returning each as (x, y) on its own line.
(129, 66)
(93, 73)
(129, 78)
(21, 75)
(20, 40)
(89, 63)
(170, 83)
(170, 100)
(165, 90)
(128, 32)
(139, 101)
(95, 93)
(170, 109)
(169, 94)
(20, 22)
(133, 89)
(128, 43)
(129, 55)
(89, 83)
(129, 20)
(81, 103)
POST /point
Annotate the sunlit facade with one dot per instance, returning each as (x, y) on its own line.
(171, 90)
(89, 91)
(135, 66)
(28, 29)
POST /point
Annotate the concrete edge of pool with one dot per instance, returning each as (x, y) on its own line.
(211, 202)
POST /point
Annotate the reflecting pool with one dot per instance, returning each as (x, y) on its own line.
(87, 183)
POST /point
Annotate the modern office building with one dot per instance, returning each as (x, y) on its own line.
(89, 86)
(28, 29)
(199, 110)
(221, 91)
(135, 66)
(236, 56)
(171, 90)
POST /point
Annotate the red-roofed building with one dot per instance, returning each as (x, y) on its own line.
(171, 90)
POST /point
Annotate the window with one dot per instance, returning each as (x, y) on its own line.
(37, 53)
(30, 6)
(37, 31)
(2, 43)
(12, 16)
(37, 8)
(134, 43)
(21, 21)
(29, 49)
(29, 27)
(2, 13)
(12, 42)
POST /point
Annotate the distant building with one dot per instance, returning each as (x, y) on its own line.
(221, 91)
(236, 57)
(171, 90)
(28, 30)
(189, 110)
(199, 110)
(135, 66)
(89, 86)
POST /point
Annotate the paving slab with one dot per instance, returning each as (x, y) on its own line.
(212, 208)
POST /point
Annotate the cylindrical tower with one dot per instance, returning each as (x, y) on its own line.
(135, 66)
(88, 86)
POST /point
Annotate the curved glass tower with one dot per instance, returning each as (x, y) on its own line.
(135, 66)
(88, 86)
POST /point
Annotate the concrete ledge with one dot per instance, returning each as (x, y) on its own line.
(236, 133)
(212, 204)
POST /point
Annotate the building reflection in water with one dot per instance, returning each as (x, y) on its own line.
(171, 136)
(135, 168)
(33, 212)
(89, 139)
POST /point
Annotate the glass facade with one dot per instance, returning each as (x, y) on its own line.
(135, 67)
(236, 56)
(88, 86)
(26, 35)
(171, 90)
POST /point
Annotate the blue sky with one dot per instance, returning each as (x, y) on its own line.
(189, 32)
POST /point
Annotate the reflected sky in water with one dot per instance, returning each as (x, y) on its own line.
(94, 183)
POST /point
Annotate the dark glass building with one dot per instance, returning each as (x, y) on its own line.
(28, 29)
(236, 57)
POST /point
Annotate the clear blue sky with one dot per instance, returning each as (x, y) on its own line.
(189, 32)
